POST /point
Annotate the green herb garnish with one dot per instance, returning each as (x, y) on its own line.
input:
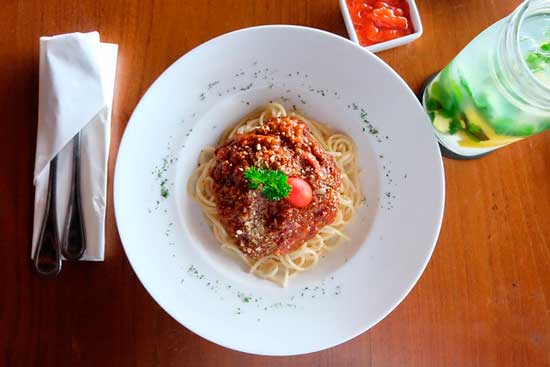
(163, 189)
(273, 183)
(535, 61)
(454, 126)
(475, 130)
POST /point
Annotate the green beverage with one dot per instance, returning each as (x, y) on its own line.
(497, 90)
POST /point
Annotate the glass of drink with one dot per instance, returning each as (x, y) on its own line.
(497, 90)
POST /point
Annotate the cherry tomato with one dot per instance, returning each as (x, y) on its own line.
(300, 194)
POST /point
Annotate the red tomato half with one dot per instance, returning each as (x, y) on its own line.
(300, 194)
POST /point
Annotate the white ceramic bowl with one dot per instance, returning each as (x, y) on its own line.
(415, 18)
(172, 249)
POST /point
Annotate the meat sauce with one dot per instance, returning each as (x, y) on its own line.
(262, 227)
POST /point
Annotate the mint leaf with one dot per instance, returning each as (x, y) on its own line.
(454, 126)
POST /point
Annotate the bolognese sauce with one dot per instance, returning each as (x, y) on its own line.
(261, 226)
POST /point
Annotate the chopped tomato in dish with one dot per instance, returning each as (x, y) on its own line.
(379, 21)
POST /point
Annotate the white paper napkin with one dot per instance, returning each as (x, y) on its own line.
(76, 83)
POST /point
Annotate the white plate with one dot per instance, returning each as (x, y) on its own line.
(174, 253)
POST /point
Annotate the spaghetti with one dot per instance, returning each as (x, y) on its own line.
(279, 267)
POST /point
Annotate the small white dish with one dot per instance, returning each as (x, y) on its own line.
(415, 18)
(173, 251)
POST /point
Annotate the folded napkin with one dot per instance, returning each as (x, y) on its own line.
(76, 83)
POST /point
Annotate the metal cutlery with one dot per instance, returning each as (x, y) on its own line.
(47, 258)
(74, 235)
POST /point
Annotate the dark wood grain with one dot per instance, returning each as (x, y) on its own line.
(484, 299)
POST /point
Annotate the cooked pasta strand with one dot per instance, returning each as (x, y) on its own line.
(280, 268)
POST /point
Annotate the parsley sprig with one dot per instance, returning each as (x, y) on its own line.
(273, 183)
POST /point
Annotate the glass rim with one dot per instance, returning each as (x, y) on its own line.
(522, 11)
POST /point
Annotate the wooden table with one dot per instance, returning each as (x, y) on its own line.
(484, 299)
